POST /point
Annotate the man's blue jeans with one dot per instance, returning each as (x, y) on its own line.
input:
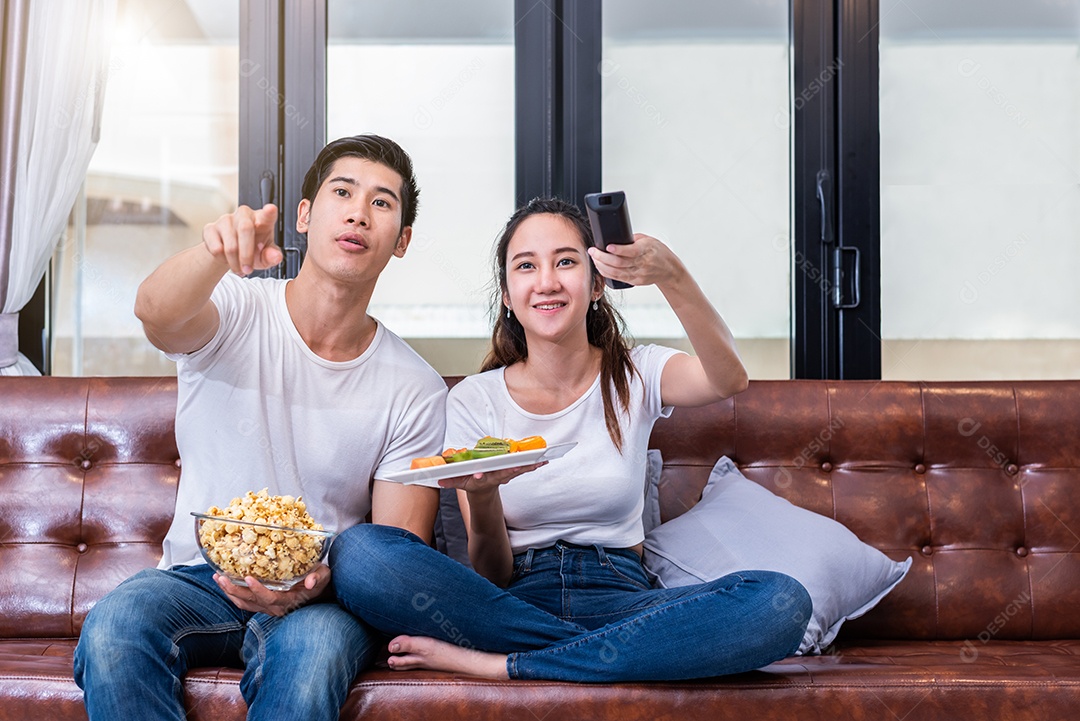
(139, 641)
(571, 613)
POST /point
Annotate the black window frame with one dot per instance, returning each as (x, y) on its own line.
(836, 206)
(558, 48)
(557, 51)
(282, 111)
(836, 237)
(834, 112)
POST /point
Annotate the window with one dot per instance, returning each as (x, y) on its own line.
(165, 166)
(696, 131)
(952, 237)
(980, 199)
(439, 79)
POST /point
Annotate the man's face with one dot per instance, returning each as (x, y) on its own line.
(354, 224)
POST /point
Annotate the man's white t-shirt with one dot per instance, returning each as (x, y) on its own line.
(257, 408)
(592, 495)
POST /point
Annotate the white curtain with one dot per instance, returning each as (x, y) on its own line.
(67, 58)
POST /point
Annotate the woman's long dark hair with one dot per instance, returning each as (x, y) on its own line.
(605, 326)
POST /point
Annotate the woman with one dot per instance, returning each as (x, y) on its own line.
(566, 596)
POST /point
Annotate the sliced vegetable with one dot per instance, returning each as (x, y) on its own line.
(530, 443)
(485, 448)
(427, 462)
(490, 446)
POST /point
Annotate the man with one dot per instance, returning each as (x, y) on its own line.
(288, 385)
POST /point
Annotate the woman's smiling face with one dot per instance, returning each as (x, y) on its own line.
(549, 279)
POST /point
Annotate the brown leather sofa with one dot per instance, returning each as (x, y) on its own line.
(979, 482)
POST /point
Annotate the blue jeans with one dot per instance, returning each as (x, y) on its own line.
(139, 641)
(571, 613)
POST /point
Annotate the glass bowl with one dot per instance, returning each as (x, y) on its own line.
(277, 556)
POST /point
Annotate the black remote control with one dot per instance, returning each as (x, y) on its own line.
(610, 221)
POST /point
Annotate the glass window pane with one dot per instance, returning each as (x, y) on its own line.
(980, 189)
(696, 131)
(438, 78)
(165, 166)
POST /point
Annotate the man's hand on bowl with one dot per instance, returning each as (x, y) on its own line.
(257, 598)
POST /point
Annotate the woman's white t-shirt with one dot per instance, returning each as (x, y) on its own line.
(592, 495)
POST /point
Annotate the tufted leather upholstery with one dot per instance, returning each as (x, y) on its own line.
(979, 482)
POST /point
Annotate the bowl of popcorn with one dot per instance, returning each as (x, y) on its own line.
(269, 538)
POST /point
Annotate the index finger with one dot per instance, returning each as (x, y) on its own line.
(246, 226)
(609, 263)
(625, 250)
(266, 216)
(254, 229)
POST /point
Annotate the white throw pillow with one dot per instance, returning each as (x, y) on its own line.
(740, 526)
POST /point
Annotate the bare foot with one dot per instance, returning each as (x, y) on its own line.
(434, 655)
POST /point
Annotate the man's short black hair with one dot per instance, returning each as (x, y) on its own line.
(376, 149)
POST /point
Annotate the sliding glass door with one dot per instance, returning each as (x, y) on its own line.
(864, 189)
(980, 196)
(439, 79)
(166, 165)
(696, 129)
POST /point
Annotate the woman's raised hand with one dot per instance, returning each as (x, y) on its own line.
(646, 261)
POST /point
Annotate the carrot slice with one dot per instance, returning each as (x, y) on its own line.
(531, 443)
(427, 462)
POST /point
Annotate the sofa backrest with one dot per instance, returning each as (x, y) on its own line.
(979, 482)
(88, 473)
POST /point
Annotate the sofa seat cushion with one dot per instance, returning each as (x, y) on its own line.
(36, 682)
(935, 680)
(916, 680)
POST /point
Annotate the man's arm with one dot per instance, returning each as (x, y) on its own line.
(173, 303)
(411, 508)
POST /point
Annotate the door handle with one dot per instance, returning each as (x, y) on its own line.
(266, 188)
(838, 278)
(823, 189)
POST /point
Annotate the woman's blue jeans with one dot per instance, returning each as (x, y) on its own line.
(571, 613)
(139, 641)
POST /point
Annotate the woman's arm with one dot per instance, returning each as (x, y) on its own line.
(482, 511)
(489, 542)
(716, 372)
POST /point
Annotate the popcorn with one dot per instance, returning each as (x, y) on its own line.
(275, 554)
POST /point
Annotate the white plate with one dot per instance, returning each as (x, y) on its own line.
(481, 465)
